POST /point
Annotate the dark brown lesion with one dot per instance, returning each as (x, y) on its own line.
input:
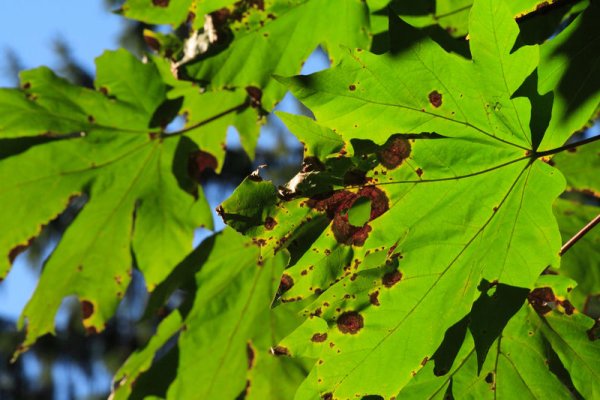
(395, 150)
(350, 322)
(336, 206)
(435, 98)
(542, 300)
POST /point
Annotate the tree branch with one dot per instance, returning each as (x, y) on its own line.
(579, 235)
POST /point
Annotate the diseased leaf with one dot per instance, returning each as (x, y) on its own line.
(121, 167)
(457, 100)
(258, 51)
(414, 257)
(236, 287)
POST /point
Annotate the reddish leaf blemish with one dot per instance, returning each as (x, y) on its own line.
(270, 223)
(319, 337)
(374, 298)
(160, 3)
(540, 298)
(199, 162)
(255, 95)
(569, 309)
(350, 322)
(391, 278)
(395, 150)
(251, 353)
(352, 88)
(280, 351)
(336, 206)
(286, 283)
(435, 98)
(87, 309)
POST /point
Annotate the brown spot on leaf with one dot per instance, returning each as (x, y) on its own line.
(374, 298)
(424, 361)
(280, 351)
(350, 322)
(270, 223)
(26, 85)
(435, 98)
(540, 298)
(160, 3)
(569, 309)
(91, 119)
(419, 172)
(255, 95)
(286, 283)
(391, 278)
(251, 353)
(336, 206)
(319, 337)
(199, 162)
(352, 87)
(489, 378)
(395, 150)
(327, 396)
(87, 309)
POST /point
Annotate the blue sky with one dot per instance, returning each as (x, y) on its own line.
(30, 29)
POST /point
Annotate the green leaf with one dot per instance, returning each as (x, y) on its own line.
(516, 367)
(209, 114)
(281, 38)
(141, 360)
(318, 141)
(579, 166)
(569, 336)
(460, 99)
(119, 166)
(360, 212)
(569, 68)
(426, 248)
(237, 285)
(173, 12)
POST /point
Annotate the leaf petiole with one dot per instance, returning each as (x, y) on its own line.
(582, 232)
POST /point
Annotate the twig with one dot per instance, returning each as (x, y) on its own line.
(579, 235)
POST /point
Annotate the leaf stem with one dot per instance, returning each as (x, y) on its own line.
(567, 147)
(206, 121)
(579, 235)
